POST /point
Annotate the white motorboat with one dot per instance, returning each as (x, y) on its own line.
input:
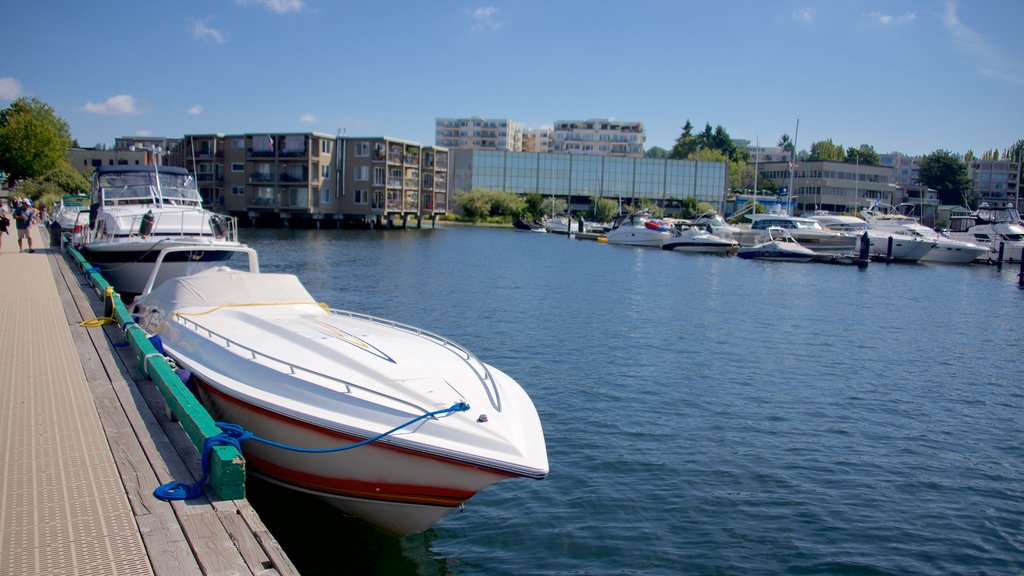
(992, 227)
(694, 239)
(717, 225)
(780, 247)
(72, 213)
(905, 247)
(137, 211)
(947, 250)
(808, 232)
(560, 224)
(263, 354)
(639, 229)
(523, 225)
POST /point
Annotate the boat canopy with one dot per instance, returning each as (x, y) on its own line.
(168, 185)
(224, 286)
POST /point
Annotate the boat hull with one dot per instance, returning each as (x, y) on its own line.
(372, 482)
(127, 265)
(699, 247)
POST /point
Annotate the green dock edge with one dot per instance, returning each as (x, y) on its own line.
(227, 466)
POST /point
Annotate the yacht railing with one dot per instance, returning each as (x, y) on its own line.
(474, 363)
(226, 227)
(288, 367)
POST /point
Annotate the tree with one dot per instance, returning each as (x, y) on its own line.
(685, 145)
(534, 205)
(945, 173)
(864, 155)
(605, 209)
(786, 144)
(33, 139)
(826, 150)
(656, 152)
(49, 187)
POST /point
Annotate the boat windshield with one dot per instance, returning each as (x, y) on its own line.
(141, 188)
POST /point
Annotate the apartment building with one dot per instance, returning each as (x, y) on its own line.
(599, 137)
(477, 133)
(995, 181)
(381, 179)
(127, 151)
(537, 140)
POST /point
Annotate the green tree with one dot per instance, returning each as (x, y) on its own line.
(946, 173)
(49, 187)
(534, 205)
(605, 209)
(685, 145)
(656, 152)
(827, 150)
(33, 139)
(865, 155)
(786, 144)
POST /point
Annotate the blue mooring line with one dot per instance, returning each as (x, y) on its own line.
(234, 435)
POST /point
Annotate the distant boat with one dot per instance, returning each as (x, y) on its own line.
(528, 225)
(992, 226)
(780, 247)
(694, 239)
(639, 229)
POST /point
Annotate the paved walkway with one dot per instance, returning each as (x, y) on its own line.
(63, 508)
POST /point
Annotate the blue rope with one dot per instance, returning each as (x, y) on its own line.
(234, 435)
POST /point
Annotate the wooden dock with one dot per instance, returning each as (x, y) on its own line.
(85, 440)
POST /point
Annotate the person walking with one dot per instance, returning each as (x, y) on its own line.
(4, 223)
(23, 215)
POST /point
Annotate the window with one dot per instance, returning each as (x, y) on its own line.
(325, 146)
(362, 149)
(237, 190)
(378, 176)
(238, 143)
(360, 197)
(325, 195)
(238, 167)
(325, 172)
(361, 173)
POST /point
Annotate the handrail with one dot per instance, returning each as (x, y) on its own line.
(293, 369)
(479, 369)
(254, 262)
(485, 377)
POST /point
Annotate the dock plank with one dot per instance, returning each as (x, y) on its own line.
(198, 536)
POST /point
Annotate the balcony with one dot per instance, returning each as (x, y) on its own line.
(394, 182)
(261, 177)
(303, 178)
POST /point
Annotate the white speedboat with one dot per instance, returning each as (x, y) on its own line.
(992, 227)
(265, 355)
(72, 213)
(694, 239)
(717, 225)
(639, 229)
(808, 232)
(137, 211)
(780, 247)
(560, 224)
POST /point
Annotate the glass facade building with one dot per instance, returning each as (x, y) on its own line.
(575, 175)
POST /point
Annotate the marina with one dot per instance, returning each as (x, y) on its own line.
(725, 453)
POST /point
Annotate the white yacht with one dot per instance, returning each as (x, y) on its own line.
(905, 248)
(947, 250)
(639, 229)
(694, 239)
(808, 232)
(992, 227)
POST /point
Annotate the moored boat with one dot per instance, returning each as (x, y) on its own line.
(639, 229)
(524, 225)
(694, 239)
(780, 246)
(137, 211)
(265, 355)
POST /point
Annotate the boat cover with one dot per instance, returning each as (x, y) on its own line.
(221, 286)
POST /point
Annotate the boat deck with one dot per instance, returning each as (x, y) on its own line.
(86, 439)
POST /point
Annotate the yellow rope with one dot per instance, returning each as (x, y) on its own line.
(222, 306)
(102, 320)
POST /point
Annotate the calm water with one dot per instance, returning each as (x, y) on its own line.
(703, 415)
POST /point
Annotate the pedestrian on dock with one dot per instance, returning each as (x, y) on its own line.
(23, 216)
(5, 222)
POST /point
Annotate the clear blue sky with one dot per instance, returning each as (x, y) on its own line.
(912, 76)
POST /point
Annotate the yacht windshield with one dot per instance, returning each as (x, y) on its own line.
(141, 188)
